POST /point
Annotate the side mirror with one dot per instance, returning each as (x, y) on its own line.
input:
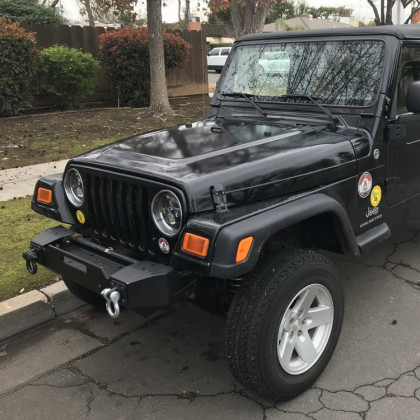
(413, 97)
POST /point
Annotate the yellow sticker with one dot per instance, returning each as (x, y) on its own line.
(80, 216)
(376, 195)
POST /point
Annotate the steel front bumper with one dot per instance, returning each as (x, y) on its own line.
(144, 286)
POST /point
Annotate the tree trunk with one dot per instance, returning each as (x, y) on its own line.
(179, 11)
(159, 102)
(88, 8)
(248, 16)
(389, 6)
(187, 13)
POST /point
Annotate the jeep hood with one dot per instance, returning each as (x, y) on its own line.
(253, 161)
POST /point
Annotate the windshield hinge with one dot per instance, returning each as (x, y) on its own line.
(394, 131)
(219, 198)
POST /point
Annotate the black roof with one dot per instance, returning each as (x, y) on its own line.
(399, 31)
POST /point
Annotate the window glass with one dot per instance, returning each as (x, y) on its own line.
(215, 51)
(334, 72)
(225, 51)
(408, 72)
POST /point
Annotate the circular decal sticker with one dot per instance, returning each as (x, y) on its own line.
(80, 216)
(164, 245)
(365, 184)
(375, 197)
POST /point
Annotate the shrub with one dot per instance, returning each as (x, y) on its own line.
(17, 64)
(29, 11)
(125, 55)
(68, 74)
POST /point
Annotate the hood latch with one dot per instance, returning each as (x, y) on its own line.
(219, 198)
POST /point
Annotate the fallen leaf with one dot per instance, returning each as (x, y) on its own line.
(22, 290)
(138, 118)
(5, 158)
(56, 278)
(83, 318)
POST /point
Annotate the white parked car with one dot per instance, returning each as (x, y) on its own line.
(217, 57)
(276, 62)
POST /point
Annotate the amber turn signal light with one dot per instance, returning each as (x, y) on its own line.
(44, 195)
(243, 248)
(195, 244)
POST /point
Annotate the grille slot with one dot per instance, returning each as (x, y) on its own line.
(118, 210)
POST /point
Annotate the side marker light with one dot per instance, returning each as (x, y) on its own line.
(244, 248)
(195, 244)
(44, 195)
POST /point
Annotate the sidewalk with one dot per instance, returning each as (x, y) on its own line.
(18, 182)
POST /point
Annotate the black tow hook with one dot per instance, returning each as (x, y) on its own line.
(31, 257)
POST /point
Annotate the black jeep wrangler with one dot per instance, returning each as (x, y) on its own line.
(310, 143)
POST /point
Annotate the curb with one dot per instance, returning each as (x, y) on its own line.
(36, 307)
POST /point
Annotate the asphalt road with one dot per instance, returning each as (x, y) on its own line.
(213, 77)
(87, 366)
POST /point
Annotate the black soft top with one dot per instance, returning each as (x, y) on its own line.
(399, 31)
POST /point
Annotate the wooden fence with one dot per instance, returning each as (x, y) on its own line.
(190, 80)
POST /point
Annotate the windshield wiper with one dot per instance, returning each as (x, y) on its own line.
(334, 119)
(248, 97)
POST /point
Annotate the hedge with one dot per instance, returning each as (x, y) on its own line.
(68, 74)
(18, 64)
(125, 56)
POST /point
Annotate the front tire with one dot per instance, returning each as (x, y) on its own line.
(284, 323)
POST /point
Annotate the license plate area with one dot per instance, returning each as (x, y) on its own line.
(75, 264)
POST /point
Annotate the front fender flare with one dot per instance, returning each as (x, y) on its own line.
(265, 224)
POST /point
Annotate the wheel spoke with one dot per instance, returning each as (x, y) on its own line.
(305, 348)
(320, 315)
(305, 300)
(286, 347)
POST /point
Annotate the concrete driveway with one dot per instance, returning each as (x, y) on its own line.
(87, 366)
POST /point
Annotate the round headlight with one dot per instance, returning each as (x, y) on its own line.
(167, 212)
(73, 186)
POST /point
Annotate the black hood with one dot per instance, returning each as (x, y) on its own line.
(253, 161)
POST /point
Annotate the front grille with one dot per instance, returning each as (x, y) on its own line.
(119, 210)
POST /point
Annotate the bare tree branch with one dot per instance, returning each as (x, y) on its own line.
(375, 11)
(414, 10)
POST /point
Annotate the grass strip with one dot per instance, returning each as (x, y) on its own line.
(18, 225)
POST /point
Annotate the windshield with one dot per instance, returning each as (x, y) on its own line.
(336, 72)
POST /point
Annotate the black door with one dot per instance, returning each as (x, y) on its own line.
(403, 149)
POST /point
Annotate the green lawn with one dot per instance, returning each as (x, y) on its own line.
(18, 225)
(32, 139)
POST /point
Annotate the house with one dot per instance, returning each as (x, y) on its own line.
(305, 22)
